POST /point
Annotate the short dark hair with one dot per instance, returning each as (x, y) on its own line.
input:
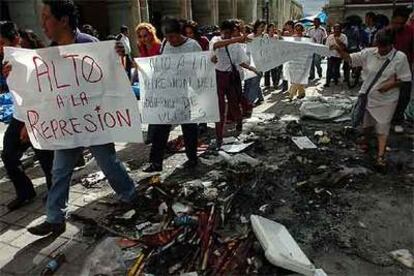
(193, 26)
(384, 37)
(124, 29)
(257, 24)
(403, 12)
(8, 30)
(171, 26)
(228, 24)
(34, 41)
(371, 14)
(317, 19)
(62, 8)
(290, 22)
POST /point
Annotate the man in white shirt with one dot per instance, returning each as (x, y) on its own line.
(174, 43)
(228, 54)
(123, 37)
(334, 40)
(318, 35)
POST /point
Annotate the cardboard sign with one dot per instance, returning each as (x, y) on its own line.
(73, 96)
(178, 89)
(269, 53)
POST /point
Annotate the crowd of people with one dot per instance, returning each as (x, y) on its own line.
(237, 95)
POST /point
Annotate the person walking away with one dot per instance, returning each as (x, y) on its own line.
(252, 89)
(318, 35)
(337, 38)
(175, 43)
(124, 39)
(60, 22)
(297, 70)
(386, 70)
(16, 140)
(370, 29)
(228, 54)
(404, 42)
(275, 73)
(148, 45)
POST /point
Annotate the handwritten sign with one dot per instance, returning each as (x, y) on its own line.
(73, 96)
(178, 89)
(269, 53)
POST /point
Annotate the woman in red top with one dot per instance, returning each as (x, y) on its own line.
(147, 40)
(191, 30)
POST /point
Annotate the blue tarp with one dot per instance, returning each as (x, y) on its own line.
(6, 108)
(321, 15)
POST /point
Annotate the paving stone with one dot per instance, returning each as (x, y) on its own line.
(30, 220)
(6, 197)
(3, 210)
(10, 234)
(7, 253)
(3, 226)
(14, 216)
(73, 230)
(20, 261)
(7, 187)
(24, 240)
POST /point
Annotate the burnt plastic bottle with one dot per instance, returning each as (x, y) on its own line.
(53, 265)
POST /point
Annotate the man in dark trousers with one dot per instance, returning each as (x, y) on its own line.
(174, 43)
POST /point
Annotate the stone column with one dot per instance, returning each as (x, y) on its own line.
(26, 14)
(124, 12)
(205, 12)
(186, 9)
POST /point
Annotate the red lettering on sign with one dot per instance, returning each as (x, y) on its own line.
(39, 74)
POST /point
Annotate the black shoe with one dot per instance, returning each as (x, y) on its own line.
(152, 168)
(218, 145)
(239, 127)
(18, 203)
(190, 164)
(336, 82)
(46, 228)
(326, 85)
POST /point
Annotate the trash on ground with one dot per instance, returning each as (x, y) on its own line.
(325, 108)
(280, 247)
(303, 142)
(235, 148)
(404, 256)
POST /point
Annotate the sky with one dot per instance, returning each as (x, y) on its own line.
(312, 6)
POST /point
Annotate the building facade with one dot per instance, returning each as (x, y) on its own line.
(338, 10)
(108, 15)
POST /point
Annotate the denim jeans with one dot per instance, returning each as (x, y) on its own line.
(65, 161)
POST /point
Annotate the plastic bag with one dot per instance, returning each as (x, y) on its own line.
(106, 259)
(6, 108)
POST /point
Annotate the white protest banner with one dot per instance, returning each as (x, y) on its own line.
(269, 53)
(73, 96)
(178, 89)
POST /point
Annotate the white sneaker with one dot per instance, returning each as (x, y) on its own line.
(398, 129)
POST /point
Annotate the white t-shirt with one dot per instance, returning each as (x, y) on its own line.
(18, 112)
(317, 35)
(381, 105)
(190, 45)
(330, 41)
(237, 54)
(125, 41)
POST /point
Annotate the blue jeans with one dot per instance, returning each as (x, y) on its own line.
(252, 89)
(63, 165)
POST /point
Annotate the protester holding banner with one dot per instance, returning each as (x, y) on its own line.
(175, 43)
(275, 73)
(288, 30)
(60, 21)
(297, 71)
(318, 35)
(252, 89)
(386, 70)
(337, 38)
(229, 54)
(16, 142)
